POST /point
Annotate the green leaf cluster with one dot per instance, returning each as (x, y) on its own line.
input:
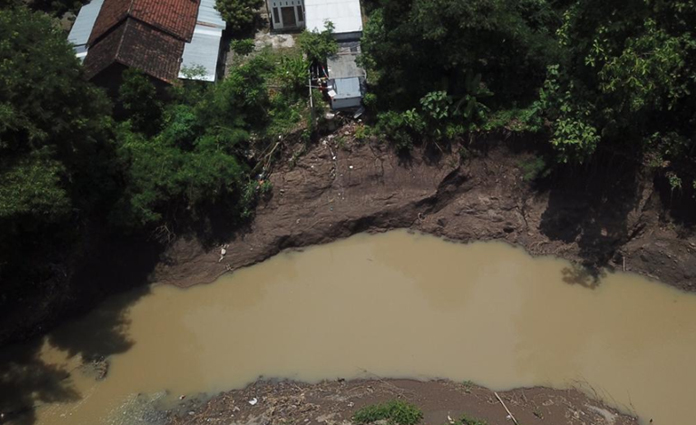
(239, 14)
(318, 46)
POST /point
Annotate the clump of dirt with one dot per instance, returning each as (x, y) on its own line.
(614, 220)
(442, 402)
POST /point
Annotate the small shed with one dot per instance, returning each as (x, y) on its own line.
(345, 15)
(346, 78)
(346, 93)
(82, 27)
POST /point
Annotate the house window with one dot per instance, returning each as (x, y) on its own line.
(276, 15)
(300, 15)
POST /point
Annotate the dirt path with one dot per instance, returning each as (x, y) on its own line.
(334, 403)
(615, 221)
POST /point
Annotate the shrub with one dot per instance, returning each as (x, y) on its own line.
(395, 412)
(534, 168)
(238, 13)
(243, 47)
(318, 45)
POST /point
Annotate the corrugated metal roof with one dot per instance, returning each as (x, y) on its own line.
(84, 23)
(208, 16)
(202, 51)
(344, 14)
(347, 88)
(204, 48)
(343, 64)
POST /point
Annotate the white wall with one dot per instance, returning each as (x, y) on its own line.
(351, 102)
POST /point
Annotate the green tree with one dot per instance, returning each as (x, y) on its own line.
(139, 100)
(54, 147)
(49, 117)
(318, 45)
(238, 14)
(416, 47)
(624, 83)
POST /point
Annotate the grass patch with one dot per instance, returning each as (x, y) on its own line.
(534, 168)
(395, 412)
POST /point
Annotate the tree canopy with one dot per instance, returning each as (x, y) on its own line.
(594, 76)
(238, 14)
(52, 123)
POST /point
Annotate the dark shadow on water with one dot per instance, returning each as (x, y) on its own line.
(590, 207)
(102, 332)
(587, 277)
(27, 382)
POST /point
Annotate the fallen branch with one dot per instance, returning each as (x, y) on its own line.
(506, 409)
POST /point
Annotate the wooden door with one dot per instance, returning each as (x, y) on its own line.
(289, 19)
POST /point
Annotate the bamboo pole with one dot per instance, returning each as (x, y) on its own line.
(506, 409)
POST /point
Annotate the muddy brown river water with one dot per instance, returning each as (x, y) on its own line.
(389, 305)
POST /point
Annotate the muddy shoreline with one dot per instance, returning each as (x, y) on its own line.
(616, 219)
(611, 221)
(442, 402)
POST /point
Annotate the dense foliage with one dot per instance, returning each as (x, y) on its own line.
(160, 164)
(595, 76)
(591, 78)
(625, 83)
(238, 14)
(53, 128)
(318, 45)
(197, 151)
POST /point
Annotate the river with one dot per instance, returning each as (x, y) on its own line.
(392, 305)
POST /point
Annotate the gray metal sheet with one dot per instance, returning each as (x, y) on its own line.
(347, 88)
(84, 23)
(203, 50)
(343, 65)
(208, 16)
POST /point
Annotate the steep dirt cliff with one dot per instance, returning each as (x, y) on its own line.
(613, 220)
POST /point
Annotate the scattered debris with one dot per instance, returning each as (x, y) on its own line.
(223, 252)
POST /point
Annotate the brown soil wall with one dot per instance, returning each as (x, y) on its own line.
(613, 220)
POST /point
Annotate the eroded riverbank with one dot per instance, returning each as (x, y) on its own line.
(395, 305)
(615, 219)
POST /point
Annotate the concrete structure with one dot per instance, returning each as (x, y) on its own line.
(345, 15)
(286, 15)
(346, 78)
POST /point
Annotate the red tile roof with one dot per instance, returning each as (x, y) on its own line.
(176, 17)
(140, 46)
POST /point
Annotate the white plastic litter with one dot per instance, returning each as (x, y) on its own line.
(253, 401)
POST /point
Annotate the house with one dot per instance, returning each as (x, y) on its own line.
(346, 84)
(286, 15)
(345, 15)
(162, 38)
(313, 15)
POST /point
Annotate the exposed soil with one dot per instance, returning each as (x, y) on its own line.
(442, 402)
(614, 220)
